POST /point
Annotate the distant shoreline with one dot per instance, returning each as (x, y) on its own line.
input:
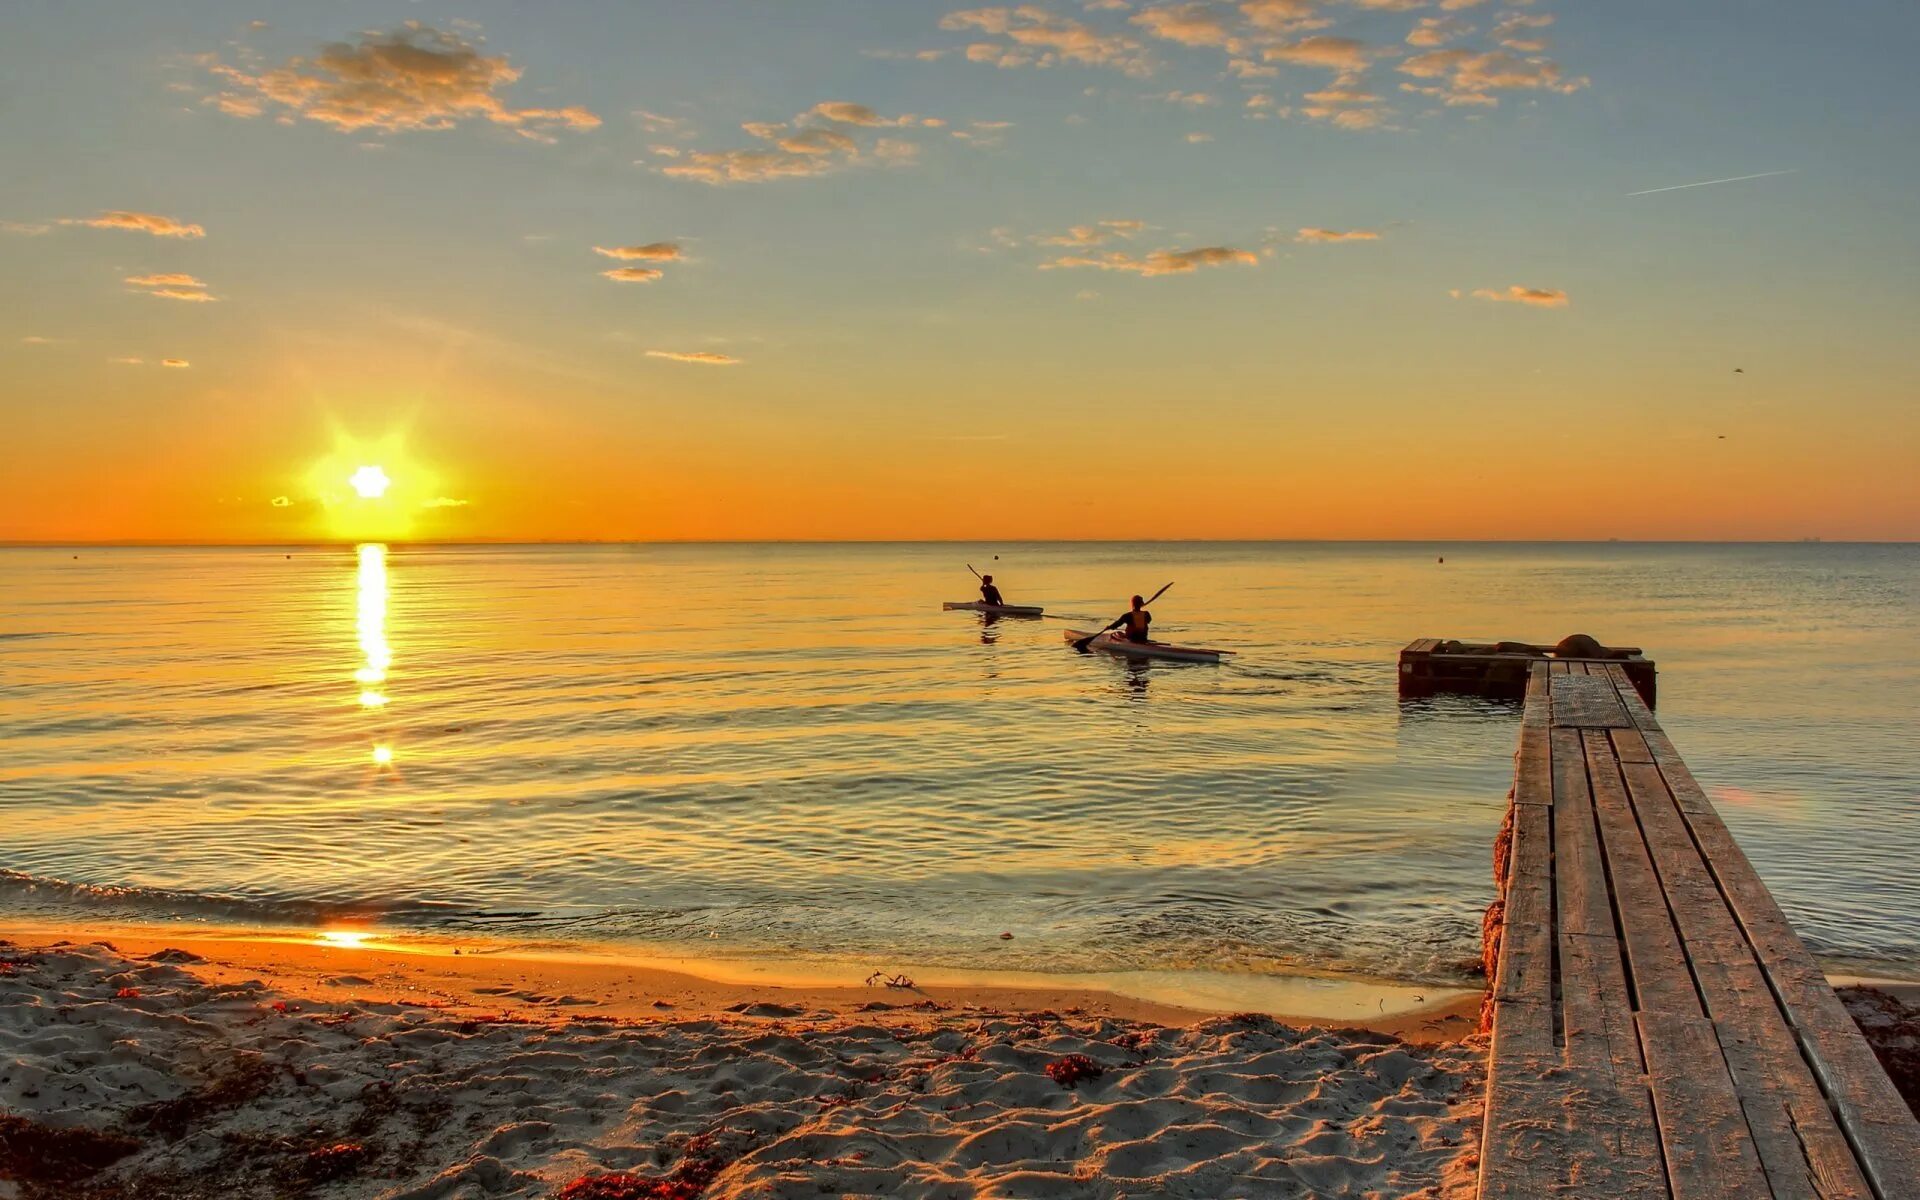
(161, 544)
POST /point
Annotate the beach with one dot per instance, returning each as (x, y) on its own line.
(163, 1064)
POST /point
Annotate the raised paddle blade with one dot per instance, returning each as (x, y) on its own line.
(976, 574)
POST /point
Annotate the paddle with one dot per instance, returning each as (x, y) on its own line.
(1082, 644)
(976, 574)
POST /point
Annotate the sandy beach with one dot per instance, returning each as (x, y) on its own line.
(182, 1067)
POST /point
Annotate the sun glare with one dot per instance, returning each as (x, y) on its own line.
(371, 482)
(346, 939)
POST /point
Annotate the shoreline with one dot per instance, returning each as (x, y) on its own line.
(531, 979)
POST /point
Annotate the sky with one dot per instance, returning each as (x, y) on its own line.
(872, 269)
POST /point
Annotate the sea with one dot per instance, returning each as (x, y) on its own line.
(792, 752)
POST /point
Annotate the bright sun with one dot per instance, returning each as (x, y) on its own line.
(371, 482)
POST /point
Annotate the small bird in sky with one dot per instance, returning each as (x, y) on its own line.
(1739, 370)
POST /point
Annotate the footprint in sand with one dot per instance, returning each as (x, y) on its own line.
(765, 1010)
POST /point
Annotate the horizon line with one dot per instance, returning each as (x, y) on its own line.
(331, 543)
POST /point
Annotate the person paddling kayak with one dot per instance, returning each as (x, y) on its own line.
(1137, 621)
(990, 594)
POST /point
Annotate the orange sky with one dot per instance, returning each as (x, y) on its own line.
(1386, 275)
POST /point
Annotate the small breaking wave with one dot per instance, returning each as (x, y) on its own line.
(23, 891)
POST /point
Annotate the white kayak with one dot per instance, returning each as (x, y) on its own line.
(999, 610)
(1115, 642)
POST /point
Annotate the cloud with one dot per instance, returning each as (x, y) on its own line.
(633, 274)
(412, 78)
(127, 360)
(1159, 262)
(1472, 74)
(1189, 99)
(1336, 235)
(817, 142)
(1034, 37)
(1093, 235)
(175, 279)
(179, 363)
(1194, 24)
(1199, 138)
(444, 502)
(1345, 108)
(1333, 53)
(1516, 294)
(651, 251)
(192, 297)
(152, 223)
(24, 228)
(1437, 31)
(703, 357)
(34, 339)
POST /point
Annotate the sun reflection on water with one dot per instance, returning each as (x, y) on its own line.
(371, 623)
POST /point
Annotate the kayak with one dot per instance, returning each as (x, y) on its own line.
(1114, 642)
(1001, 610)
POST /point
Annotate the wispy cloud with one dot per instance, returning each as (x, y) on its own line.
(412, 78)
(701, 357)
(1336, 235)
(24, 228)
(1516, 294)
(1030, 36)
(34, 339)
(651, 251)
(1158, 262)
(1710, 182)
(141, 222)
(1092, 235)
(174, 279)
(127, 360)
(178, 363)
(827, 137)
(633, 274)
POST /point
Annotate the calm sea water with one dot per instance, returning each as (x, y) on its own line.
(792, 750)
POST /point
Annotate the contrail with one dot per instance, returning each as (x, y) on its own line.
(1710, 182)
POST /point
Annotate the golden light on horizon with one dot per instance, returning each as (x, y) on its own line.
(370, 482)
(345, 939)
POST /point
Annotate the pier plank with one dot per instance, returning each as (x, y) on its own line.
(1659, 1029)
(1585, 702)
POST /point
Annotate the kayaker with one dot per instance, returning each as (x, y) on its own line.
(990, 594)
(1137, 621)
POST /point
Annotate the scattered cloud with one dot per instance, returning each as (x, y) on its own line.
(633, 274)
(703, 357)
(152, 223)
(1189, 99)
(1031, 36)
(187, 294)
(412, 78)
(1516, 294)
(1470, 76)
(179, 363)
(24, 228)
(1336, 235)
(824, 139)
(1199, 138)
(444, 502)
(1092, 235)
(1346, 108)
(34, 339)
(1437, 31)
(1158, 262)
(127, 360)
(1332, 53)
(651, 251)
(175, 279)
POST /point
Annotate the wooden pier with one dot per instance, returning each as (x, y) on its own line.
(1500, 669)
(1659, 1030)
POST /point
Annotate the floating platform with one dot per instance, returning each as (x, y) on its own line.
(1659, 1030)
(1501, 669)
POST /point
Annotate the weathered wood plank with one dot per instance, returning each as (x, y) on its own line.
(1703, 1131)
(1586, 702)
(1656, 960)
(1525, 972)
(1555, 1130)
(1597, 1013)
(1422, 646)
(1630, 745)
(1560, 667)
(1881, 1128)
(1636, 708)
(1539, 707)
(1804, 1153)
(1579, 875)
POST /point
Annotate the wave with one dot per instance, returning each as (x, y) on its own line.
(25, 891)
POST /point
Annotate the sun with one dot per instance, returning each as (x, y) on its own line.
(371, 482)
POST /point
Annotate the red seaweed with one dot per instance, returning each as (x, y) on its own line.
(1069, 1071)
